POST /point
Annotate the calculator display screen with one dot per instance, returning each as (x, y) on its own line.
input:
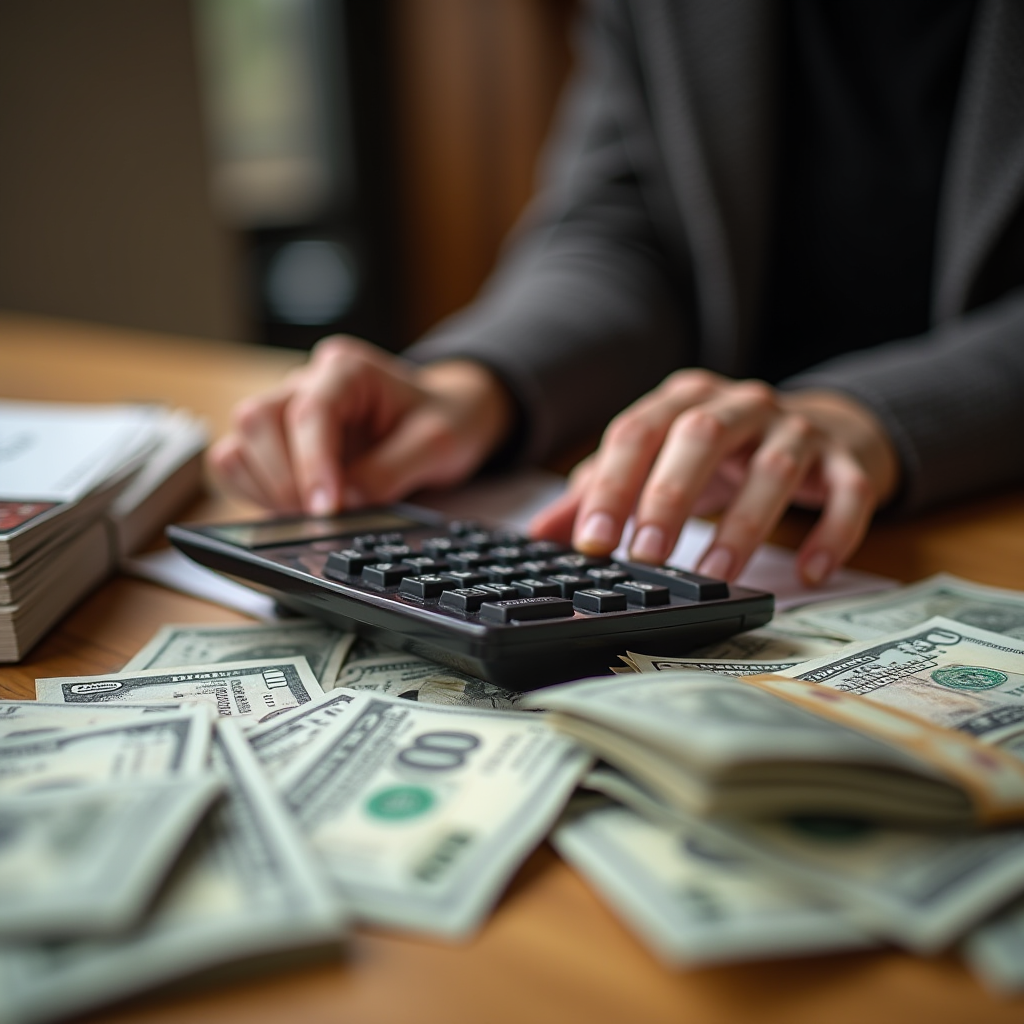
(296, 531)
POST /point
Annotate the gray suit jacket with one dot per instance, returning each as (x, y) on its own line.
(644, 251)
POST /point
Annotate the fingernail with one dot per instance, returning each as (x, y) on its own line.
(648, 544)
(818, 566)
(354, 498)
(717, 563)
(597, 533)
(320, 503)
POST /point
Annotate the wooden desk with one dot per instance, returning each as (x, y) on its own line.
(552, 951)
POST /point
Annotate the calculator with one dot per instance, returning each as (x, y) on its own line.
(490, 602)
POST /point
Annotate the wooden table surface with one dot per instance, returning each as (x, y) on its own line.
(552, 951)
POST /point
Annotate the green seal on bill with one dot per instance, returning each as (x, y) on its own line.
(969, 677)
(400, 803)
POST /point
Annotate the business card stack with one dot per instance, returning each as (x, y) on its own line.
(82, 486)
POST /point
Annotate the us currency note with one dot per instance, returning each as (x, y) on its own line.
(949, 673)
(690, 900)
(646, 663)
(154, 747)
(922, 890)
(175, 646)
(254, 691)
(88, 860)
(246, 889)
(970, 604)
(395, 673)
(421, 814)
(22, 718)
(785, 639)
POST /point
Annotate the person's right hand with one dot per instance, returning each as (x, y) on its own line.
(356, 426)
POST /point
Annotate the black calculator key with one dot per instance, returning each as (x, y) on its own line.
(545, 549)
(537, 588)
(384, 574)
(464, 599)
(578, 563)
(426, 586)
(568, 583)
(421, 564)
(467, 560)
(646, 595)
(499, 591)
(509, 538)
(347, 563)
(505, 555)
(503, 573)
(539, 567)
(683, 584)
(460, 527)
(526, 609)
(599, 600)
(366, 542)
(464, 578)
(392, 552)
(439, 547)
(608, 577)
(479, 540)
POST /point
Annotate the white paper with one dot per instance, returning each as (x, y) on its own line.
(60, 452)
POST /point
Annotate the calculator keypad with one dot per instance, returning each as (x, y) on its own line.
(502, 577)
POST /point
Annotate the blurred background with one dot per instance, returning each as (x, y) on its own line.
(267, 170)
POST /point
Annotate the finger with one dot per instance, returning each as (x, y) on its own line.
(849, 505)
(628, 451)
(259, 425)
(555, 521)
(776, 470)
(695, 445)
(228, 465)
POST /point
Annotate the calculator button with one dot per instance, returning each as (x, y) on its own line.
(392, 552)
(426, 586)
(464, 599)
(420, 565)
(568, 583)
(509, 538)
(366, 542)
(646, 595)
(467, 560)
(537, 588)
(505, 555)
(526, 609)
(384, 574)
(599, 600)
(503, 573)
(545, 549)
(439, 547)
(578, 563)
(608, 577)
(460, 527)
(480, 540)
(464, 578)
(499, 591)
(539, 567)
(347, 563)
(682, 584)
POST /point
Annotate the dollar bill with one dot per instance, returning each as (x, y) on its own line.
(421, 814)
(784, 640)
(254, 691)
(949, 673)
(692, 901)
(970, 604)
(246, 890)
(22, 718)
(923, 890)
(323, 647)
(645, 663)
(154, 747)
(397, 674)
(88, 860)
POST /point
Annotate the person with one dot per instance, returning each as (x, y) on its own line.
(778, 255)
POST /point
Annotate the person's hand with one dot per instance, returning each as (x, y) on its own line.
(700, 443)
(356, 426)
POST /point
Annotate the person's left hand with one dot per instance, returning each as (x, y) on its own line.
(700, 443)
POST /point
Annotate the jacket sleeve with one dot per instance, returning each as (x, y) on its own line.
(951, 400)
(585, 312)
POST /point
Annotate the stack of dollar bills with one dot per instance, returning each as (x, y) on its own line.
(850, 776)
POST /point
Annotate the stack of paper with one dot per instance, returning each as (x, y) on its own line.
(81, 486)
